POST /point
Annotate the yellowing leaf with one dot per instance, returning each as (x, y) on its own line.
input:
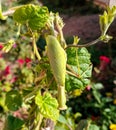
(47, 105)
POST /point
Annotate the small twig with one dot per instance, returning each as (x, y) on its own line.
(71, 72)
(31, 94)
(69, 127)
(36, 49)
(52, 79)
(39, 122)
(84, 45)
(40, 77)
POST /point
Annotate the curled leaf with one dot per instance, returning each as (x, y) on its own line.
(35, 16)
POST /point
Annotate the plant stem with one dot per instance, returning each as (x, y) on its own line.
(32, 94)
(39, 122)
(84, 45)
(35, 49)
(71, 71)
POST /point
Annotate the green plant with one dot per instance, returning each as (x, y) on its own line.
(98, 110)
(44, 78)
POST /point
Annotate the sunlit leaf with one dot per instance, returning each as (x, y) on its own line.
(62, 119)
(47, 105)
(106, 19)
(79, 61)
(33, 15)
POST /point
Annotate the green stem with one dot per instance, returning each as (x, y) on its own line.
(106, 29)
(84, 45)
(104, 33)
(39, 122)
(19, 30)
(62, 98)
(35, 49)
(31, 95)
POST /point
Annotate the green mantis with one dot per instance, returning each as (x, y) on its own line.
(57, 58)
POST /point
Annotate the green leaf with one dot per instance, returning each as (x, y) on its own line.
(97, 96)
(13, 123)
(98, 86)
(93, 127)
(13, 100)
(62, 119)
(106, 19)
(47, 105)
(35, 16)
(79, 61)
(82, 125)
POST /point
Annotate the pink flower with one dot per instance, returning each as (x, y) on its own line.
(1, 46)
(27, 60)
(0, 55)
(14, 45)
(88, 87)
(13, 79)
(21, 62)
(7, 70)
(104, 61)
